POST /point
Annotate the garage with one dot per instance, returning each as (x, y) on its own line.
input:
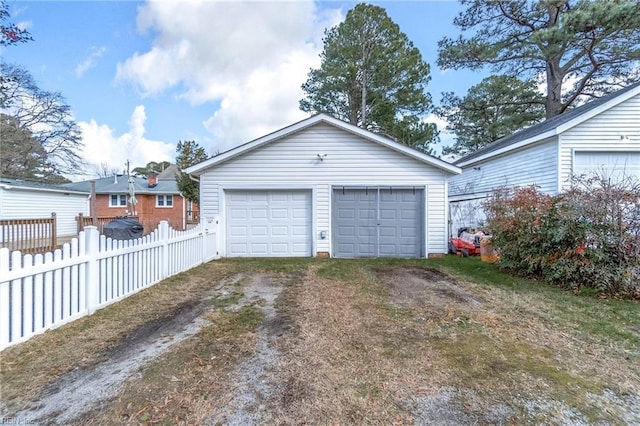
(378, 222)
(268, 223)
(324, 187)
(615, 165)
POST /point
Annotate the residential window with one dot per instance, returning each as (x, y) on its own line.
(118, 200)
(164, 200)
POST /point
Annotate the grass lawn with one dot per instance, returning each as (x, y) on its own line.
(283, 341)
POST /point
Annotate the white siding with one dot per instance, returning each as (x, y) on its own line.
(17, 203)
(350, 160)
(533, 165)
(601, 133)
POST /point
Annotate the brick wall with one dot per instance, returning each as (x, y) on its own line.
(148, 214)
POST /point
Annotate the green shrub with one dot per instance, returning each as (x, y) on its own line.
(587, 237)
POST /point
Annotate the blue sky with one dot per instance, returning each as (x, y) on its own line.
(140, 76)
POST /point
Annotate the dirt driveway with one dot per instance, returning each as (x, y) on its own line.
(323, 341)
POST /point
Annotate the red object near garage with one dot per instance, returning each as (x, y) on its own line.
(465, 244)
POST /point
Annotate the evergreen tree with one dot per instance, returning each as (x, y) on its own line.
(372, 76)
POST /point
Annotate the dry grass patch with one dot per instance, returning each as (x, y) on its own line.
(30, 367)
(346, 362)
(186, 384)
(329, 341)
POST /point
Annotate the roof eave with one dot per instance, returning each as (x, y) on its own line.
(29, 188)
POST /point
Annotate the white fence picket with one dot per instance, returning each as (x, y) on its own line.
(16, 299)
(38, 296)
(39, 292)
(5, 302)
(27, 298)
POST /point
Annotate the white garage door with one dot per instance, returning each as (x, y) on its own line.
(614, 165)
(268, 223)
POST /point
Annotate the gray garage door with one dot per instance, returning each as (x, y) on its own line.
(268, 223)
(378, 222)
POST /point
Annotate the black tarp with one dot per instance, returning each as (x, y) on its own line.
(123, 228)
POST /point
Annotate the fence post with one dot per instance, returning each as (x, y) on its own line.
(163, 228)
(79, 223)
(92, 283)
(54, 232)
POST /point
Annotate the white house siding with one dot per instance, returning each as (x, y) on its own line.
(603, 132)
(350, 160)
(16, 203)
(532, 165)
(467, 191)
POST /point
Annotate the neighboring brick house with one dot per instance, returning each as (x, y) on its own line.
(157, 198)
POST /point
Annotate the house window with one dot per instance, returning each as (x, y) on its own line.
(118, 200)
(164, 200)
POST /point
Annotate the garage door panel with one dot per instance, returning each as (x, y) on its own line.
(279, 197)
(348, 231)
(280, 213)
(369, 223)
(280, 249)
(279, 231)
(259, 231)
(367, 249)
(388, 214)
(240, 248)
(238, 231)
(268, 223)
(368, 214)
(346, 214)
(366, 231)
(257, 197)
(238, 213)
(299, 230)
(407, 232)
(258, 249)
(300, 213)
(258, 213)
(388, 231)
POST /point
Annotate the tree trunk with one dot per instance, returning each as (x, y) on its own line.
(364, 99)
(553, 103)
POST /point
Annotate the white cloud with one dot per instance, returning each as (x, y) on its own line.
(24, 25)
(250, 57)
(95, 53)
(103, 146)
(446, 138)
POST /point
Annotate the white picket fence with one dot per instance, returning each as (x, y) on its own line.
(40, 292)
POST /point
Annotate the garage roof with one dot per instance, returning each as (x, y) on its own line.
(8, 183)
(198, 169)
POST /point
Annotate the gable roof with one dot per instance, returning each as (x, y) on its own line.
(8, 183)
(551, 127)
(119, 185)
(197, 169)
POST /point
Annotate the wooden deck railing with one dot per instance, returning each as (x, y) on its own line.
(82, 221)
(29, 235)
